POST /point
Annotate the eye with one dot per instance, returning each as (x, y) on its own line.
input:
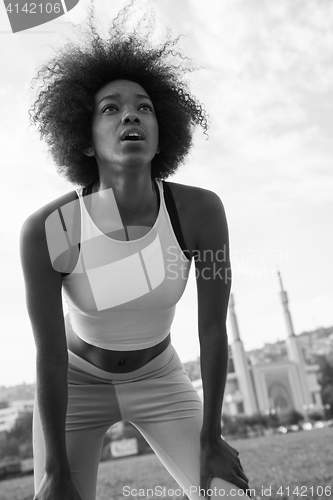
(146, 106)
(109, 107)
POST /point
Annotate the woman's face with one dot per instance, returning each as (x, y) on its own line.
(124, 126)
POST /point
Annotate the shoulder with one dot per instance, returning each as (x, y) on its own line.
(35, 223)
(201, 212)
(48, 235)
(192, 196)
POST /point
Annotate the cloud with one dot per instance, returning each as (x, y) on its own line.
(266, 83)
(263, 63)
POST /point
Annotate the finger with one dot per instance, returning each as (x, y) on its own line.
(240, 465)
(205, 483)
(243, 475)
(247, 491)
(243, 485)
(234, 450)
(242, 468)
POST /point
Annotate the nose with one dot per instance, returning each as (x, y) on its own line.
(130, 117)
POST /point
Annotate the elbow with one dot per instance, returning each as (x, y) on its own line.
(212, 323)
(213, 330)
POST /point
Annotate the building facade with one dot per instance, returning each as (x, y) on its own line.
(279, 386)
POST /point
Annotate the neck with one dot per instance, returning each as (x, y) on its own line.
(133, 196)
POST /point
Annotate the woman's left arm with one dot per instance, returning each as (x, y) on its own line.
(213, 275)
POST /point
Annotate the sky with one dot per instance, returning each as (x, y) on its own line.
(265, 76)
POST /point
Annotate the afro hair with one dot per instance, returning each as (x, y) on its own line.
(64, 105)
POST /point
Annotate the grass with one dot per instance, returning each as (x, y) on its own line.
(278, 464)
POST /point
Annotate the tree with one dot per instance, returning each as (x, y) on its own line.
(315, 416)
(10, 448)
(291, 417)
(325, 380)
(22, 431)
(272, 420)
(18, 441)
(257, 423)
(234, 426)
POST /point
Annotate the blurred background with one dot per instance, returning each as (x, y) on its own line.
(266, 79)
(265, 76)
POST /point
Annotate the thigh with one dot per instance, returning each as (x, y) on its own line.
(92, 409)
(168, 412)
(177, 445)
(170, 418)
(83, 451)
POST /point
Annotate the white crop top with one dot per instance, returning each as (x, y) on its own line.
(122, 295)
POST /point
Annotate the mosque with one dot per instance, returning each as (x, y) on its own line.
(268, 387)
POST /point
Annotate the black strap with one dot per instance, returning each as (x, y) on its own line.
(87, 189)
(172, 209)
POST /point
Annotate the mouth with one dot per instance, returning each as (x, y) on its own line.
(131, 134)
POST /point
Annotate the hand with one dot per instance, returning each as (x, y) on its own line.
(219, 459)
(57, 487)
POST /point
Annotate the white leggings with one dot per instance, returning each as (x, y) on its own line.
(158, 399)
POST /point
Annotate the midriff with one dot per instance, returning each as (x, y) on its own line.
(114, 361)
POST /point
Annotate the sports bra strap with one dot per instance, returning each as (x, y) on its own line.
(172, 210)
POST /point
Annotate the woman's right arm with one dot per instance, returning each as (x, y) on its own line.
(44, 303)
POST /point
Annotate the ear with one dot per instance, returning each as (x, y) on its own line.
(89, 151)
(158, 150)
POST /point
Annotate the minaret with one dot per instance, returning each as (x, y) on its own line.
(240, 364)
(287, 315)
(233, 319)
(294, 347)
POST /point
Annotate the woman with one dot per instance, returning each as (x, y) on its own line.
(119, 120)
